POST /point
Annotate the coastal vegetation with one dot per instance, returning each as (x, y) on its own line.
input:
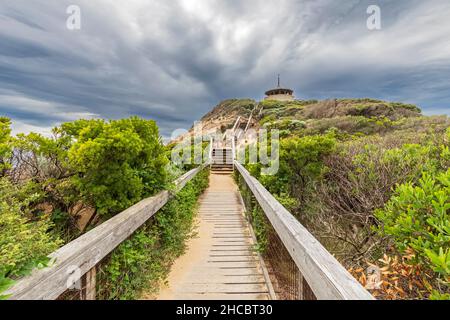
(53, 189)
(370, 180)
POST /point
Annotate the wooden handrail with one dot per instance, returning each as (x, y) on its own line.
(328, 279)
(76, 258)
(236, 124)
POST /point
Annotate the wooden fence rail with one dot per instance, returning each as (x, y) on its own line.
(78, 257)
(326, 277)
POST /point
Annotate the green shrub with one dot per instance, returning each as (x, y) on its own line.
(287, 125)
(41, 158)
(24, 242)
(272, 104)
(301, 160)
(187, 152)
(107, 165)
(411, 107)
(418, 217)
(110, 165)
(405, 163)
(359, 100)
(301, 165)
(267, 120)
(117, 162)
(5, 147)
(349, 124)
(260, 227)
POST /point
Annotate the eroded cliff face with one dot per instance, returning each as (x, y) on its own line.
(223, 116)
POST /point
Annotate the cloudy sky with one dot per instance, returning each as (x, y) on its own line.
(173, 60)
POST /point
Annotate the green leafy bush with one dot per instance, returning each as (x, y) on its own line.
(41, 158)
(418, 217)
(24, 239)
(301, 166)
(110, 165)
(117, 162)
(286, 126)
(301, 161)
(5, 148)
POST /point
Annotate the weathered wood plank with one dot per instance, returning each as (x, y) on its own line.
(89, 292)
(222, 279)
(205, 273)
(327, 278)
(217, 288)
(233, 258)
(229, 296)
(76, 258)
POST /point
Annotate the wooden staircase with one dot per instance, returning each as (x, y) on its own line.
(222, 161)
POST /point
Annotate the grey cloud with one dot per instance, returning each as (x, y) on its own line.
(173, 60)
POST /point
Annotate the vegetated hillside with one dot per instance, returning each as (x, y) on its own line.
(364, 116)
(371, 180)
(226, 112)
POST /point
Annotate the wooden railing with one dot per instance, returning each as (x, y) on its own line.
(324, 275)
(79, 257)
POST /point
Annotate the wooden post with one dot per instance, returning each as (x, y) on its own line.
(89, 291)
(233, 149)
(211, 146)
(300, 287)
(304, 291)
(307, 294)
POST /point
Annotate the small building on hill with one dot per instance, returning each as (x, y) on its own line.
(279, 93)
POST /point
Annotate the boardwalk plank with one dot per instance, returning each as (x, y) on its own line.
(221, 262)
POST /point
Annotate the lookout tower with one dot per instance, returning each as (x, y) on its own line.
(279, 93)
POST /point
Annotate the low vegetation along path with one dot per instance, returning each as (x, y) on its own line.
(220, 262)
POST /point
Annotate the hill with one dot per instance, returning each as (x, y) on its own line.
(307, 117)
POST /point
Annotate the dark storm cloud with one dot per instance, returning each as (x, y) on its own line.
(173, 60)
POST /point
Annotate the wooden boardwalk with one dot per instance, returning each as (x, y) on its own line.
(220, 262)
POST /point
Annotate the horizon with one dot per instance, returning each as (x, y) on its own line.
(173, 62)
